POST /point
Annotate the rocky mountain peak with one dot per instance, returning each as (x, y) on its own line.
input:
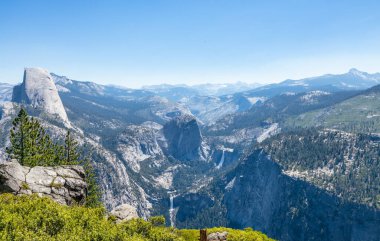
(358, 73)
(39, 91)
(355, 71)
(185, 141)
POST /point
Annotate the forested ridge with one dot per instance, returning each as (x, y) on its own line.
(343, 163)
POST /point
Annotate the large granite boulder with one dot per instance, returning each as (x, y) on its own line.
(64, 184)
(217, 236)
(124, 212)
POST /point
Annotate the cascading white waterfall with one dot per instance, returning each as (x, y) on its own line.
(221, 161)
(172, 211)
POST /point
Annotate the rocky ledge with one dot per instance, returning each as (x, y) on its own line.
(64, 184)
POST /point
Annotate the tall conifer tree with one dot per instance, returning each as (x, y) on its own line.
(71, 155)
(93, 198)
(18, 148)
(30, 144)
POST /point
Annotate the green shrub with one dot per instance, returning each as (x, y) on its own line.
(157, 221)
(30, 217)
(24, 186)
(247, 234)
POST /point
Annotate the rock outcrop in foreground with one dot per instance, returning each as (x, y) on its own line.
(64, 184)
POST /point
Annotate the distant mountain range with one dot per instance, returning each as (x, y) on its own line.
(212, 102)
(178, 92)
(352, 80)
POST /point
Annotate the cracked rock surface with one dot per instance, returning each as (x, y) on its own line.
(64, 184)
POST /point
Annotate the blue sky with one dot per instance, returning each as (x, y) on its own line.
(134, 43)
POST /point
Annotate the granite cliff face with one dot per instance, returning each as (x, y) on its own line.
(39, 91)
(139, 143)
(64, 184)
(184, 138)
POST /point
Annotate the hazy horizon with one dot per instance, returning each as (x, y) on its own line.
(185, 84)
(136, 43)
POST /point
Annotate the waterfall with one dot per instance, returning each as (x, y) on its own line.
(221, 161)
(172, 211)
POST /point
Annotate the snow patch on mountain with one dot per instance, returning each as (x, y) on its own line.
(268, 132)
(311, 97)
(255, 100)
(221, 161)
(372, 116)
(231, 184)
(62, 89)
(299, 83)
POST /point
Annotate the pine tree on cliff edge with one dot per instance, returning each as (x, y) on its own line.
(30, 144)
